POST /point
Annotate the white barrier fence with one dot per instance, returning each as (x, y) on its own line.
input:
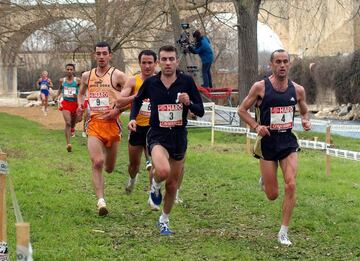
(225, 119)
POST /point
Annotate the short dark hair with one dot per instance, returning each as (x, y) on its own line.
(277, 51)
(197, 35)
(147, 52)
(70, 64)
(103, 44)
(168, 48)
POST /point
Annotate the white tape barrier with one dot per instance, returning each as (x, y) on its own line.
(230, 129)
(335, 127)
(199, 123)
(316, 145)
(345, 154)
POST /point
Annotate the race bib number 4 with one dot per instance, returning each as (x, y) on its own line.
(281, 118)
(69, 91)
(145, 109)
(99, 101)
(170, 115)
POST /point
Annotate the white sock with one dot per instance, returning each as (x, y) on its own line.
(101, 199)
(283, 230)
(177, 193)
(164, 218)
(155, 184)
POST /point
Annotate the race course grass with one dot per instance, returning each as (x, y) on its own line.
(224, 216)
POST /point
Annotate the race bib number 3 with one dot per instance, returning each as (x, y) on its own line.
(281, 118)
(170, 115)
(99, 101)
(145, 109)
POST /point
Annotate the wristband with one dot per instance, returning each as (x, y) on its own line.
(257, 125)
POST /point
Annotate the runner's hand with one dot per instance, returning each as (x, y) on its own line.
(111, 114)
(132, 125)
(262, 130)
(306, 124)
(183, 97)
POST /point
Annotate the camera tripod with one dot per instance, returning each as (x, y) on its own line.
(188, 64)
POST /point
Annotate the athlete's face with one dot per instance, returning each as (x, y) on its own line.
(280, 64)
(102, 56)
(69, 70)
(147, 65)
(168, 62)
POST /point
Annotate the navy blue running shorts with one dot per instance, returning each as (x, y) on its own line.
(174, 140)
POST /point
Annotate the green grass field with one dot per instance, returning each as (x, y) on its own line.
(225, 215)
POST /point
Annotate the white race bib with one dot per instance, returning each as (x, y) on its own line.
(170, 115)
(281, 118)
(69, 91)
(145, 109)
(43, 87)
(99, 101)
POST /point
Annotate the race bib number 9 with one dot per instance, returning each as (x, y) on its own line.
(99, 101)
(69, 91)
(170, 115)
(145, 109)
(281, 118)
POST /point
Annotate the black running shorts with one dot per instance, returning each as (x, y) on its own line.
(277, 146)
(174, 140)
(138, 137)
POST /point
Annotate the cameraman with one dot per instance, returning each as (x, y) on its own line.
(203, 48)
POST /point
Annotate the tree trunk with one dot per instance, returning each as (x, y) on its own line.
(175, 22)
(247, 13)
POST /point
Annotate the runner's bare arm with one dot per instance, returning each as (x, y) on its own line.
(256, 91)
(303, 109)
(125, 97)
(119, 79)
(83, 88)
(50, 83)
(60, 88)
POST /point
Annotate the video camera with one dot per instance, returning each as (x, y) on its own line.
(184, 39)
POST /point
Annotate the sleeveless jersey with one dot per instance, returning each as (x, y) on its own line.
(44, 84)
(143, 117)
(69, 90)
(101, 93)
(277, 109)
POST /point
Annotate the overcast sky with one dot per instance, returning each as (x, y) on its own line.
(267, 39)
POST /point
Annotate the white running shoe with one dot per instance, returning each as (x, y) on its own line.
(284, 240)
(152, 205)
(101, 205)
(83, 134)
(130, 185)
(148, 165)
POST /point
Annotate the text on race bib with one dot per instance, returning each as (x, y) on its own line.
(145, 109)
(99, 101)
(69, 91)
(43, 86)
(170, 115)
(281, 118)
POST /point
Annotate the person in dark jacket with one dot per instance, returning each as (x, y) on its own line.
(203, 49)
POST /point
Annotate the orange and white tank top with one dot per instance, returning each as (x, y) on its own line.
(143, 118)
(101, 93)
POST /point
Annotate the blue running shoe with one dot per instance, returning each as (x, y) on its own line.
(164, 228)
(156, 196)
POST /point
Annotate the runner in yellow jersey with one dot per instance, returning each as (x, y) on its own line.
(103, 85)
(137, 139)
